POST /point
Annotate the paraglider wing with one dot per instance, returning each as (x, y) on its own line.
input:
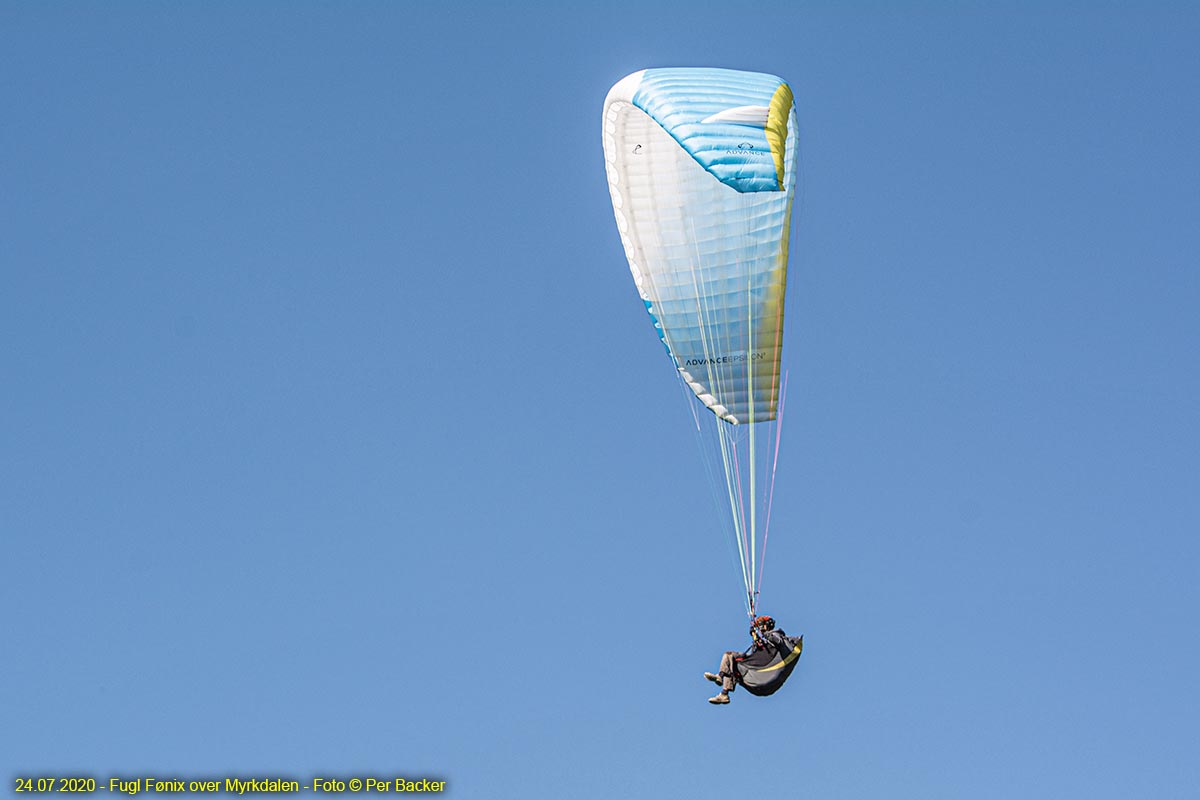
(701, 169)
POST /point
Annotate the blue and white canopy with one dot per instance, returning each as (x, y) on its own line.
(701, 169)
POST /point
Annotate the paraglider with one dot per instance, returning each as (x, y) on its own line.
(701, 167)
(763, 668)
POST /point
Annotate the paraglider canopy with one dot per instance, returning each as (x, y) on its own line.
(701, 166)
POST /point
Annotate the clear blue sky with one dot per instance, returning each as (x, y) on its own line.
(335, 439)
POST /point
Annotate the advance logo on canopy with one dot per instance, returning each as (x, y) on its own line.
(735, 358)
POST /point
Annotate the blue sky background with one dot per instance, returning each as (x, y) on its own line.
(334, 438)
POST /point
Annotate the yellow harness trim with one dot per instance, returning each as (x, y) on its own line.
(792, 656)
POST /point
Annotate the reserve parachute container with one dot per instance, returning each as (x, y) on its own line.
(701, 168)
